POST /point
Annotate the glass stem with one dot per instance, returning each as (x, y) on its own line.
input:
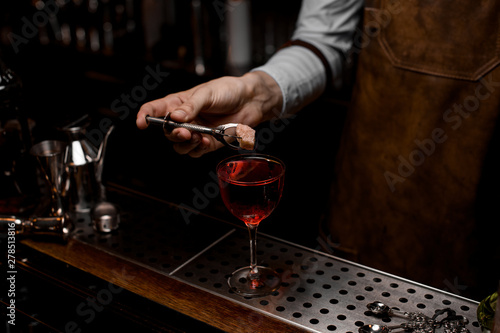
(252, 230)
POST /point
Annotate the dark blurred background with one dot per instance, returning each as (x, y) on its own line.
(64, 59)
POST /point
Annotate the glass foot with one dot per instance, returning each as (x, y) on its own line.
(264, 283)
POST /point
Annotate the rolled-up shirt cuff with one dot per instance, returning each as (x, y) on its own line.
(300, 74)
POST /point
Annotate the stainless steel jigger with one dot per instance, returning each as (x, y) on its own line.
(55, 221)
(50, 157)
(218, 132)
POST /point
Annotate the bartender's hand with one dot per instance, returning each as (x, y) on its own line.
(248, 100)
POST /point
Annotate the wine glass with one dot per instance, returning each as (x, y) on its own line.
(251, 187)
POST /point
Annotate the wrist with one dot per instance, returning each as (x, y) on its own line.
(265, 93)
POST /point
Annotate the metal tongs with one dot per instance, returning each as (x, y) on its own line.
(218, 132)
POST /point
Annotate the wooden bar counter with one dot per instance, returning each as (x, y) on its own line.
(162, 273)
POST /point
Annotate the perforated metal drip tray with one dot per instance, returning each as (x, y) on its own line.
(319, 292)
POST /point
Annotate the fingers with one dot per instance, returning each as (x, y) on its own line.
(197, 99)
(213, 100)
(179, 135)
(157, 108)
(144, 111)
(179, 116)
(183, 106)
(195, 148)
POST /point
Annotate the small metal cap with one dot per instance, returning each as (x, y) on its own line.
(105, 217)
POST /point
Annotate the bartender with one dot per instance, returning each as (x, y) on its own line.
(417, 152)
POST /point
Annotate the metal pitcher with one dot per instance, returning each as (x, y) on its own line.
(84, 164)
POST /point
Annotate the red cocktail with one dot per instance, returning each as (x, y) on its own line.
(251, 187)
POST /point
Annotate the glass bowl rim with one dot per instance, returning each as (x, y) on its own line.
(256, 156)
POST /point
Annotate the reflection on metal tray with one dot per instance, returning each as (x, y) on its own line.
(319, 292)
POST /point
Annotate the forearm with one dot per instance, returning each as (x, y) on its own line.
(327, 25)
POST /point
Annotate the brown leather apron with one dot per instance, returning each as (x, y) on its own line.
(410, 167)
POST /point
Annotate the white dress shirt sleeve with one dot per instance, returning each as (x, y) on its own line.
(329, 25)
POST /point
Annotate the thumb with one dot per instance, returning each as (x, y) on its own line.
(190, 108)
